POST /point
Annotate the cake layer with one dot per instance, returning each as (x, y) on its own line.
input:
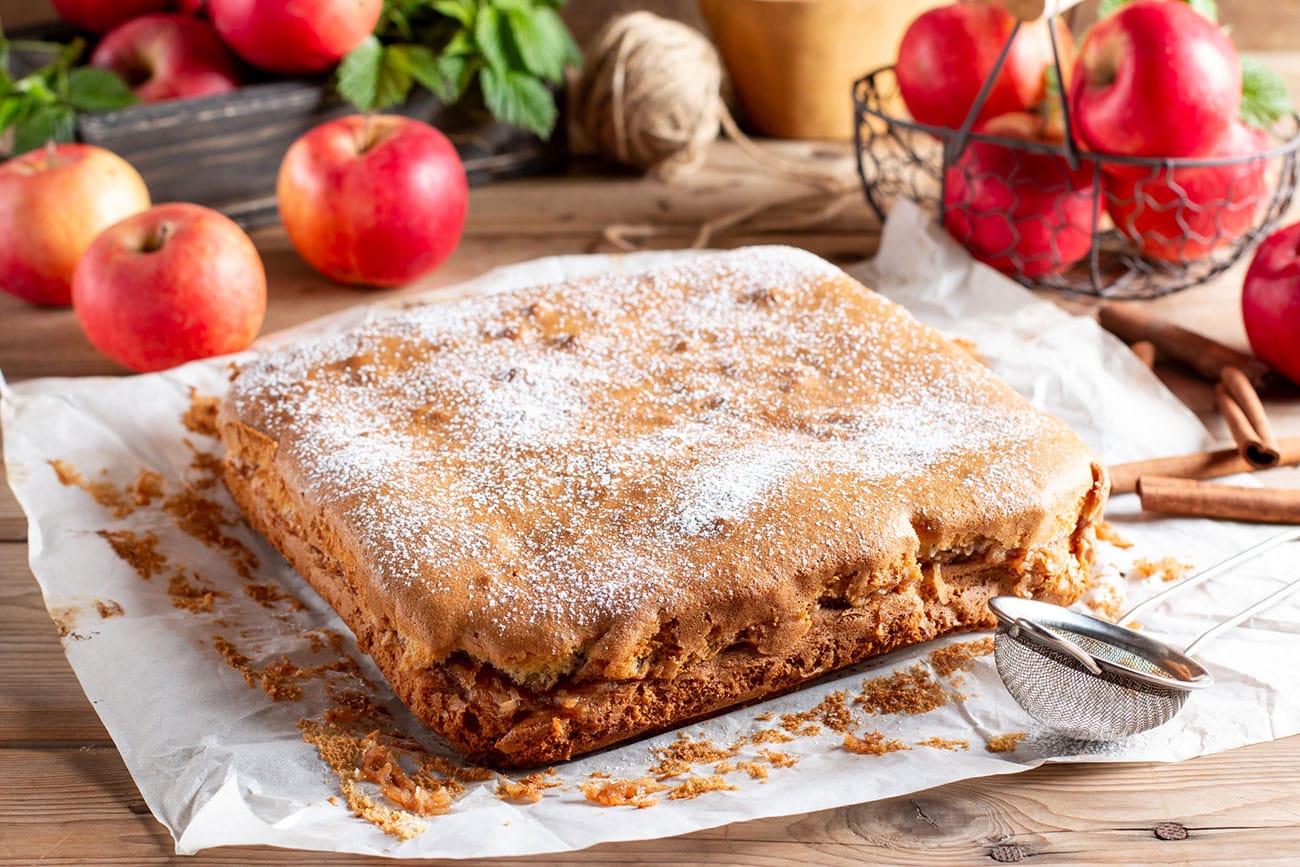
(562, 516)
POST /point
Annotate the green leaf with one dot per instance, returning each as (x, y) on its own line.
(541, 41)
(373, 76)
(519, 99)
(489, 39)
(426, 69)
(57, 122)
(93, 89)
(12, 111)
(463, 11)
(1264, 100)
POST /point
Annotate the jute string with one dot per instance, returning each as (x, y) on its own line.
(650, 97)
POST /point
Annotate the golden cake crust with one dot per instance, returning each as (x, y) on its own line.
(714, 480)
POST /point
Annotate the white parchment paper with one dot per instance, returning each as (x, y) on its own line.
(221, 764)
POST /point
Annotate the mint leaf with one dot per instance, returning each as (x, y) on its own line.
(12, 109)
(489, 40)
(519, 99)
(425, 69)
(93, 89)
(459, 10)
(541, 41)
(373, 76)
(1264, 100)
(56, 122)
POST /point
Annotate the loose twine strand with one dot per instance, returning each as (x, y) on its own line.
(650, 97)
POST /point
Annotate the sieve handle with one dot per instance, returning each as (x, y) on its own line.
(1032, 10)
(1219, 568)
(1245, 614)
(1047, 636)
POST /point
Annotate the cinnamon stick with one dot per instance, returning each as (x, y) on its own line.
(1208, 500)
(1131, 322)
(1256, 440)
(1145, 350)
(1199, 465)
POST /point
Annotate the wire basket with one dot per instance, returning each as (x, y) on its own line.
(1047, 215)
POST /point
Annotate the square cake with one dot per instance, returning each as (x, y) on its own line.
(565, 516)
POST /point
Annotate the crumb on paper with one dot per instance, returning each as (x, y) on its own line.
(201, 416)
(770, 736)
(910, 691)
(190, 596)
(528, 790)
(693, 787)
(756, 770)
(103, 492)
(873, 743)
(599, 775)
(766, 716)
(778, 759)
(268, 595)
(939, 743)
(1168, 568)
(139, 550)
(676, 759)
(108, 608)
(1007, 742)
(206, 466)
(203, 519)
(1106, 532)
(946, 661)
(637, 793)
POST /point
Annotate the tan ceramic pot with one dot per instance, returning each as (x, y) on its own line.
(793, 62)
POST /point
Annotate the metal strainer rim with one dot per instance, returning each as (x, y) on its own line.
(1010, 610)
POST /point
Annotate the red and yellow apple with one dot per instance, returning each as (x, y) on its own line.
(377, 200)
(947, 53)
(168, 56)
(1182, 213)
(101, 16)
(294, 38)
(1155, 79)
(1270, 302)
(172, 284)
(1023, 212)
(53, 202)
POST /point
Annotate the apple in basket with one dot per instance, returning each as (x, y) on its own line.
(101, 16)
(947, 53)
(1157, 79)
(1270, 302)
(377, 200)
(297, 38)
(168, 57)
(1023, 212)
(55, 201)
(1182, 214)
(172, 284)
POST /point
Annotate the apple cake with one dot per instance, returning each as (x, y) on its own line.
(565, 516)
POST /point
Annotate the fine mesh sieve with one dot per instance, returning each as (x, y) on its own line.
(1094, 680)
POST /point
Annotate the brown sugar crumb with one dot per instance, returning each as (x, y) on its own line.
(946, 661)
(695, 786)
(802, 724)
(191, 597)
(724, 768)
(104, 493)
(202, 519)
(911, 691)
(777, 759)
(1005, 743)
(637, 793)
(267, 595)
(770, 736)
(1106, 532)
(599, 775)
(140, 550)
(1168, 568)
(873, 743)
(677, 758)
(754, 769)
(765, 716)
(528, 790)
(944, 744)
(201, 417)
(108, 608)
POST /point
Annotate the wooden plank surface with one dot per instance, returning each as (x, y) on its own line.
(65, 797)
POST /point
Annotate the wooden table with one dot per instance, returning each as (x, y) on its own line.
(66, 798)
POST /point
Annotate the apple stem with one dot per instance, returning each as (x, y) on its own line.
(50, 153)
(365, 142)
(155, 241)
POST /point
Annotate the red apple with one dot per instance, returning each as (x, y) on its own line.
(1156, 79)
(101, 16)
(172, 284)
(294, 38)
(948, 52)
(1270, 302)
(168, 56)
(377, 201)
(55, 201)
(1022, 212)
(1183, 213)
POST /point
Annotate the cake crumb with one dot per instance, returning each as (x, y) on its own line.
(766, 716)
(1008, 742)
(191, 597)
(778, 759)
(108, 608)
(946, 661)
(203, 519)
(911, 691)
(873, 743)
(724, 768)
(1106, 532)
(104, 493)
(528, 790)
(139, 550)
(770, 736)
(267, 595)
(637, 793)
(201, 416)
(676, 759)
(754, 769)
(599, 775)
(695, 786)
(1168, 568)
(939, 743)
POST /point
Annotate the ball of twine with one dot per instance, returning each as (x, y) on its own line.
(649, 95)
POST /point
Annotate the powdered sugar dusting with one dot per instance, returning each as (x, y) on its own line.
(534, 471)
